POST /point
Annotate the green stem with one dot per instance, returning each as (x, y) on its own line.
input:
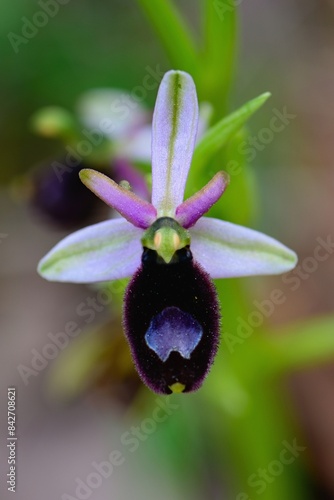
(173, 34)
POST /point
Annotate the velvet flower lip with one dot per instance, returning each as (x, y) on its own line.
(170, 251)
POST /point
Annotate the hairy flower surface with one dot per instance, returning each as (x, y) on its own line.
(171, 311)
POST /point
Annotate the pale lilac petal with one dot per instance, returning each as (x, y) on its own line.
(124, 171)
(188, 213)
(136, 146)
(106, 251)
(174, 132)
(227, 250)
(137, 211)
(111, 112)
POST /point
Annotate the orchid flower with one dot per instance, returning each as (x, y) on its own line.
(171, 310)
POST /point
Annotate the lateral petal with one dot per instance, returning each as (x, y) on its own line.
(188, 213)
(137, 211)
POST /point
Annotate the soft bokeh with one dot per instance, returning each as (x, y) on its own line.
(269, 389)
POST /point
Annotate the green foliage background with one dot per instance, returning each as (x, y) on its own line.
(238, 421)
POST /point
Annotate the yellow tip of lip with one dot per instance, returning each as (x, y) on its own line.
(177, 387)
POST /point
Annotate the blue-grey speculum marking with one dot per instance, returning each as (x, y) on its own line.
(173, 330)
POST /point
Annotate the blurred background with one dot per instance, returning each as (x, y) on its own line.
(87, 402)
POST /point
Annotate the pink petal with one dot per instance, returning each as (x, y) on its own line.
(188, 213)
(124, 171)
(111, 112)
(174, 132)
(137, 211)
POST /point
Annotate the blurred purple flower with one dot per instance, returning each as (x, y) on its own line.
(105, 115)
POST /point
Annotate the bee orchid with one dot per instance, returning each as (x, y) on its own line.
(170, 251)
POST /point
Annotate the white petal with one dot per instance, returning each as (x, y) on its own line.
(134, 209)
(106, 251)
(174, 132)
(227, 250)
